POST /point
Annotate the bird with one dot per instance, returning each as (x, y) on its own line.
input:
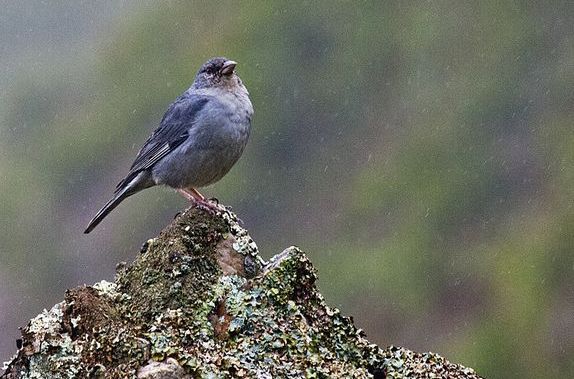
(200, 137)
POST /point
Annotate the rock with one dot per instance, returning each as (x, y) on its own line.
(199, 302)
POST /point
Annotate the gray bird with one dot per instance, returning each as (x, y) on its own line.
(201, 136)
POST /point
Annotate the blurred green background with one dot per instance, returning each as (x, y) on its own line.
(422, 153)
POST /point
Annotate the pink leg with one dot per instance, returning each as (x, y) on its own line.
(191, 194)
(197, 194)
(198, 199)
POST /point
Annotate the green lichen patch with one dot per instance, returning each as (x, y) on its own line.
(179, 263)
(46, 347)
(402, 363)
(272, 332)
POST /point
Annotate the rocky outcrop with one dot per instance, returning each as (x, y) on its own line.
(199, 302)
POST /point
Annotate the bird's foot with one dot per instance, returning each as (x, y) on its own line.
(208, 205)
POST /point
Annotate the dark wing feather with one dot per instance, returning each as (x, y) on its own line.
(172, 132)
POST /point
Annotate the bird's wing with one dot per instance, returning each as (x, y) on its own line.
(172, 132)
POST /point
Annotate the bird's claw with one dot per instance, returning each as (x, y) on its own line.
(208, 205)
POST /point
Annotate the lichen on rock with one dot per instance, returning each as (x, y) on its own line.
(200, 302)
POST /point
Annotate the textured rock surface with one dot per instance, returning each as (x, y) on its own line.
(199, 302)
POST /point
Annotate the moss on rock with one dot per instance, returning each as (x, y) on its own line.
(199, 302)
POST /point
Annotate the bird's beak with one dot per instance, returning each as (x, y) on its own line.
(228, 67)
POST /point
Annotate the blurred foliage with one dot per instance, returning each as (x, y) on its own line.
(423, 151)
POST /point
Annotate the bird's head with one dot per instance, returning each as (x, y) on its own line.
(217, 72)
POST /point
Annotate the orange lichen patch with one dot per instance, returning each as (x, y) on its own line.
(230, 261)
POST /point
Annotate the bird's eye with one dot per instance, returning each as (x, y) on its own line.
(210, 70)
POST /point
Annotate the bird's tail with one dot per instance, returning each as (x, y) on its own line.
(110, 205)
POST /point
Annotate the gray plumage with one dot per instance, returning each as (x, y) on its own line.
(201, 136)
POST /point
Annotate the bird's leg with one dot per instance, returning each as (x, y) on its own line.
(197, 194)
(191, 194)
(198, 199)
